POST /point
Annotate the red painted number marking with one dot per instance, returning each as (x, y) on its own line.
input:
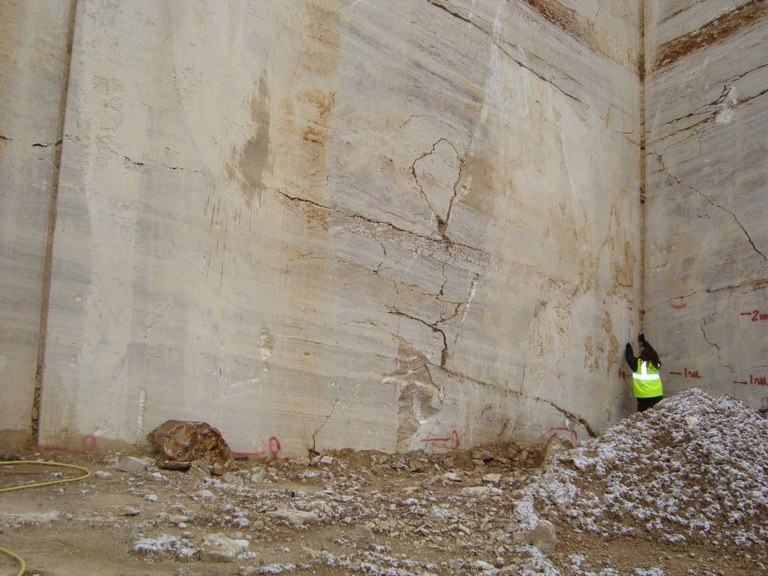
(753, 380)
(756, 315)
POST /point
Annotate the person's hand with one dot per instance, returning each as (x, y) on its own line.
(641, 337)
(629, 346)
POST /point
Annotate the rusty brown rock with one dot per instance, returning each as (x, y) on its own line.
(182, 443)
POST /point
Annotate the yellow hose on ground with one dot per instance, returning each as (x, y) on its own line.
(16, 557)
(43, 463)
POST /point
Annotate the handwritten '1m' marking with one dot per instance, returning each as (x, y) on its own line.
(687, 373)
(753, 380)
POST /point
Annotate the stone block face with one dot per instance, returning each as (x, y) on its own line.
(387, 225)
(33, 70)
(707, 243)
(391, 225)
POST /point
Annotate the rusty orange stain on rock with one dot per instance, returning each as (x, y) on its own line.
(568, 20)
(556, 13)
(713, 32)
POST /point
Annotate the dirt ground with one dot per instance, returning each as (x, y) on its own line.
(346, 513)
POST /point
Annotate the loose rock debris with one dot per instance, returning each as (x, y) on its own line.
(681, 489)
(695, 471)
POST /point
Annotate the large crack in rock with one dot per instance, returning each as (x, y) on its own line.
(437, 173)
(709, 200)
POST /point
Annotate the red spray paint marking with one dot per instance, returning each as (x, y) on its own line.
(89, 442)
(453, 438)
(274, 446)
(756, 315)
(274, 450)
(678, 305)
(572, 433)
(753, 380)
(623, 374)
(686, 373)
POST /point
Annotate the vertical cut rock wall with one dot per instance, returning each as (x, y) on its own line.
(707, 190)
(33, 70)
(325, 224)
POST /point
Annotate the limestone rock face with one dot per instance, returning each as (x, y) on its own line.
(389, 225)
(386, 225)
(33, 70)
(707, 248)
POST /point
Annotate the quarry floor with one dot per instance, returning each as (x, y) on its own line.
(470, 512)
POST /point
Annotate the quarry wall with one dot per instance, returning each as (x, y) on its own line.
(329, 224)
(706, 296)
(33, 71)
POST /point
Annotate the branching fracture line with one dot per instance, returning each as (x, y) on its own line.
(354, 216)
(327, 418)
(709, 200)
(433, 327)
(570, 416)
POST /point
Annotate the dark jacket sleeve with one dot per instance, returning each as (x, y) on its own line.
(630, 356)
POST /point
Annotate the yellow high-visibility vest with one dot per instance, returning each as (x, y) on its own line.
(646, 382)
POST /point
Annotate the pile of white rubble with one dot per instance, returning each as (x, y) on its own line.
(693, 469)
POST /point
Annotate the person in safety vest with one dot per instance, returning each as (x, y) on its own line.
(646, 380)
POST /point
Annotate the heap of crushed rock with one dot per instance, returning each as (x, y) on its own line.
(693, 469)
